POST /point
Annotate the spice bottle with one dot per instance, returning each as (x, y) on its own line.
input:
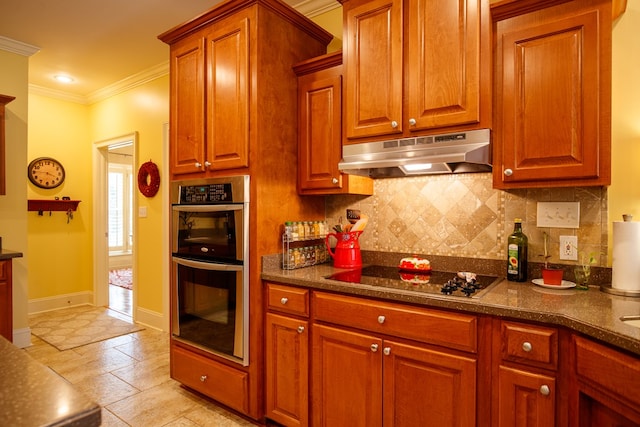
(517, 245)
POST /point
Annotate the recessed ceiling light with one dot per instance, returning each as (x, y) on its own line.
(63, 79)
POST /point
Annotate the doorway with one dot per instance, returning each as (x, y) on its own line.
(114, 224)
(120, 225)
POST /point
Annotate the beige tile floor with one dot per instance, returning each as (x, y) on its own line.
(129, 377)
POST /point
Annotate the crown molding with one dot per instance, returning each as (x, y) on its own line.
(129, 83)
(15, 46)
(57, 94)
(311, 8)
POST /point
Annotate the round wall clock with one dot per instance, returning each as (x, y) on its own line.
(45, 172)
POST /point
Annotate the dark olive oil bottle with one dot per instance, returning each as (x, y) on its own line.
(517, 245)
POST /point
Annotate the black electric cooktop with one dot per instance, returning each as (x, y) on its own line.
(433, 282)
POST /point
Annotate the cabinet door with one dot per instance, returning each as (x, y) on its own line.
(6, 303)
(320, 132)
(187, 105)
(373, 69)
(553, 90)
(346, 378)
(525, 399)
(228, 80)
(443, 63)
(287, 376)
(423, 387)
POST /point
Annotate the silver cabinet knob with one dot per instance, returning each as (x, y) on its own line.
(207, 164)
(508, 172)
(334, 181)
(198, 165)
(381, 319)
(284, 300)
(412, 122)
(300, 329)
(526, 346)
(545, 390)
(204, 249)
(394, 124)
(387, 351)
(203, 378)
(374, 347)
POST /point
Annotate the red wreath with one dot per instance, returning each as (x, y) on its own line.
(148, 179)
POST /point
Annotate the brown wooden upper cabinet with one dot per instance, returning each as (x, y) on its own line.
(4, 100)
(210, 97)
(416, 66)
(552, 124)
(320, 130)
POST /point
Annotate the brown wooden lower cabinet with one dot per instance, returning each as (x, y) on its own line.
(606, 391)
(287, 370)
(6, 300)
(335, 360)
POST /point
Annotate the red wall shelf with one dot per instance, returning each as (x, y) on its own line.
(52, 205)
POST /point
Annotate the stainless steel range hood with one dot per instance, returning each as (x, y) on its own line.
(460, 152)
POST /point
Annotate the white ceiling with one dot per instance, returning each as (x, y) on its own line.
(101, 43)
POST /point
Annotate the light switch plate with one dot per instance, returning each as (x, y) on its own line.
(142, 211)
(558, 214)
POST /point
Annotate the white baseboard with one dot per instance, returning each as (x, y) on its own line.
(149, 318)
(22, 337)
(39, 305)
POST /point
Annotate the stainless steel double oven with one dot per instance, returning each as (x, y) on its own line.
(210, 247)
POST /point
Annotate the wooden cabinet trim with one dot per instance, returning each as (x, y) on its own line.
(296, 300)
(4, 100)
(542, 344)
(454, 330)
(608, 369)
(205, 375)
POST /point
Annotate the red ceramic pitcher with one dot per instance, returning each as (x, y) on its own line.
(347, 253)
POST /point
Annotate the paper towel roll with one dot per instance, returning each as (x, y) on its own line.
(626, 256)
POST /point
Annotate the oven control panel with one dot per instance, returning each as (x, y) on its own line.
(206, 193)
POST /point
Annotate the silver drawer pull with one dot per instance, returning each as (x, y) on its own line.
(374, 347)
(545, 390)
(526, 346)
(387, 351)
(300, 329)
(203, 378)
(381, 319)
(284, 300)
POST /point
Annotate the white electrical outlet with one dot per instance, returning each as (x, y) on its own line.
(569, 248)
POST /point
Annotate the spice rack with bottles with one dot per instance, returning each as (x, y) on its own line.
(303, 244)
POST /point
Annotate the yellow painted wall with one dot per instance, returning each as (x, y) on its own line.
(60, 251)
(143, 109)
(624, 193)
(13, 206)
(331, 21)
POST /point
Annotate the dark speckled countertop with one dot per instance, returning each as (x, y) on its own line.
(9, 254)
(33, 395)
(593, 313)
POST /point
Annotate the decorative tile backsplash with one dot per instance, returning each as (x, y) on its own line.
(462, 215)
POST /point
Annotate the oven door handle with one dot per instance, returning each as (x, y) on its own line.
(207, 265)
(207, 208)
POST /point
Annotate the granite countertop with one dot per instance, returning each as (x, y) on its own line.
(33, 395)
(593, 313)
(9, 254)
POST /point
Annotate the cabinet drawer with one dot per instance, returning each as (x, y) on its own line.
(611, 370)
(216, 380)
(458, 331)
(529, 344)
(286, 299)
